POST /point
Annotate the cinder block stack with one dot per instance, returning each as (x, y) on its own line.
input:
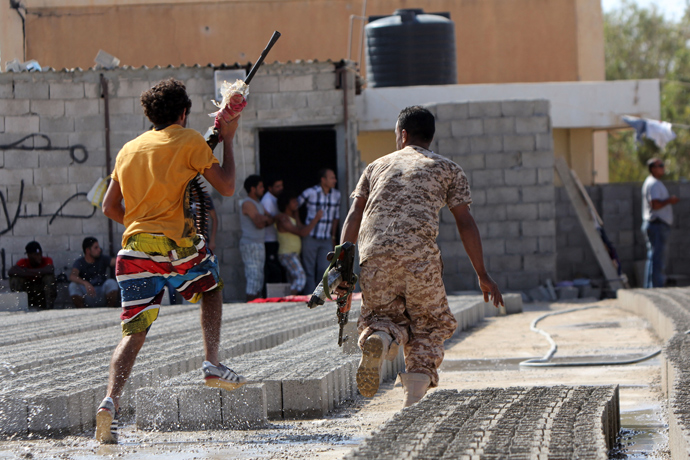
(668, 312)
(535, 423)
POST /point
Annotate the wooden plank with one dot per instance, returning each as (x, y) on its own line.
(588, 225)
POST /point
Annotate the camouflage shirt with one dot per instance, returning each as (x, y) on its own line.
(405, 191)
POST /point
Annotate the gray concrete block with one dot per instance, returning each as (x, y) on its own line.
(486, 144)
(14, 301)
(6, 90)
(537, 193)
(502, 263)
(48, 414)
(157, 409)
(136, 122)
(13, 417)
(485, 109)
(540, 262)
(537, 124)
(470, 127)
(68, 90)
(22, 124)
(547, 211)
(31, 90)
(199, 407)
(296, 83)
(545, 176)
(130, 88)
(452, 111)
(520, 176)
(305, 398)
(470, 162)
(538, 159)
(522, 143)
(453, 146)
(523, 211)
(503, 195)
(487, 178)
(59, 124)
(48, 108)
(274, 398)
(81, 107)
(544, 141)
(505, 161)
(490, 213)
(513, 303)
(504, 125)
(16, 107)
(517, 108)
(245, 407)
(265, 84)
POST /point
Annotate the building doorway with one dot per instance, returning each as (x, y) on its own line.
(297, 154)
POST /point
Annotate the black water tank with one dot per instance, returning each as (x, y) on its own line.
(411, 48)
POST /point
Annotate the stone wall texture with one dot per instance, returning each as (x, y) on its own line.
(53, 146)
(506, 150)
(620, 207)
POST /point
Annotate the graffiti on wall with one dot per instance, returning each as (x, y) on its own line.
(77, 153)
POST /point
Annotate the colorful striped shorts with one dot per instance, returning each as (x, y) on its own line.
(147, 263)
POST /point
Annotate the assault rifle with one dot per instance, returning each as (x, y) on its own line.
(340, 270)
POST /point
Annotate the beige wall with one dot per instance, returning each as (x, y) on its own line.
(497, 40)
(11, 35)
(585, 151)
(375, 144)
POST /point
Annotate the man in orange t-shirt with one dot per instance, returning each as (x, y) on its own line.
(35, 275)
(150, 195)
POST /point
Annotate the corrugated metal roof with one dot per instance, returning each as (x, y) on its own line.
(221, 66)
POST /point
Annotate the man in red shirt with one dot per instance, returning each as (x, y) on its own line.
(35, 275)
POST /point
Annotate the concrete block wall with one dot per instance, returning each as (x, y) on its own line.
(53, 146)
(620, 207)
(506, 150)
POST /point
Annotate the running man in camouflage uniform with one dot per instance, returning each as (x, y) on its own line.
(395, 217)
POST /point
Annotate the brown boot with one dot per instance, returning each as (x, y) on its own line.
(369, 370)
(414, 386)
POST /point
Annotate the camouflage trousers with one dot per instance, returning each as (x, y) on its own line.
(407, 299)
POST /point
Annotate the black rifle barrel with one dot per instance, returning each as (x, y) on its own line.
(264, 53)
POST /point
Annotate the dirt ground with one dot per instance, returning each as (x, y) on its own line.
(486, 356)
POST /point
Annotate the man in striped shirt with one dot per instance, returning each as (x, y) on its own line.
(316, 246)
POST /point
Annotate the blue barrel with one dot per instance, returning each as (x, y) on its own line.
(410, 48)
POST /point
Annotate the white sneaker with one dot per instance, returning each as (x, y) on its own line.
(221, 377)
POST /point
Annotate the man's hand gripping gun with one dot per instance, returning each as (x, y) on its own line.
(340, 272)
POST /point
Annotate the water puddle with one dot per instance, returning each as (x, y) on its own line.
(644, 435)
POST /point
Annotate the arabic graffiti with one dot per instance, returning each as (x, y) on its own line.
(73, 150)
(77, 153)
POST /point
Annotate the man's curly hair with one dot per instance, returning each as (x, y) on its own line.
(165, 102)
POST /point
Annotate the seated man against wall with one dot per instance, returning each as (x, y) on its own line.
(35, 275)
(90, 285)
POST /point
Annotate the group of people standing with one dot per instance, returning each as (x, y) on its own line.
(274, 236)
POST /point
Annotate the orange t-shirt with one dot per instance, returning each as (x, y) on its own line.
(153, 171)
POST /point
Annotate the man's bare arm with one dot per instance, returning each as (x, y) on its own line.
(222, 178)
(353, 221)
(472, 241)
(259, 220)
(113, 208)
(658, 204)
